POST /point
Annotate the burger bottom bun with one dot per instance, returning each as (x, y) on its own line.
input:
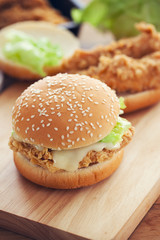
(22, 73)
(140, 100)
(67, 180)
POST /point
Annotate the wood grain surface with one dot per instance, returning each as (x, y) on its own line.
(148, 229)
(108, 210)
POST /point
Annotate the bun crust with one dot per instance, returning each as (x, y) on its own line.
(67, 180)
(22, 73)
(65, 111)
(141, 100)
(17, 71)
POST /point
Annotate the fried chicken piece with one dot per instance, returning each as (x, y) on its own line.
(137, 47)
(44, 158)
(124, 73)
(12, 11)
(131, 64)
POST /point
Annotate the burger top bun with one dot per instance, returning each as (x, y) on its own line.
(65, 111)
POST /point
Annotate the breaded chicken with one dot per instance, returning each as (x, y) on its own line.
(126, 74)
(12, 11)
(145, 43)
(44, 158)
(128, 65)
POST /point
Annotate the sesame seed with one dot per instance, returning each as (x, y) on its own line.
(18, 129)
(48, 124)
(62, 137)
(55, 128)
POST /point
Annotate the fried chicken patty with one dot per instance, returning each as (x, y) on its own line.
(128, 74)
(128, 65)
(45, 159)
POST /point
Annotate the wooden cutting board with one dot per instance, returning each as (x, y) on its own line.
(108, 210)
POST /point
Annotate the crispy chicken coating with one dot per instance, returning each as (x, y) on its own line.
(124, 73)
(12, 11)
(145, 43)
(131, 64)
(44, 158)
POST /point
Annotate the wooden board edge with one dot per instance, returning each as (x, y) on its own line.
(32, 229)
(139, 213)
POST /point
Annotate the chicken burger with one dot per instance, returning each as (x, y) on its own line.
(67, 132)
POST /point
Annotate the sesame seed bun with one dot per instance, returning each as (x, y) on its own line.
(67, 180)
(65, 111)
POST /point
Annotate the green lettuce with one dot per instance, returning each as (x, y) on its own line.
(121, 103)
(118, 131)
(119, 16)
(35, 54)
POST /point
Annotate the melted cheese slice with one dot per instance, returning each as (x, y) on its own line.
(69, 159)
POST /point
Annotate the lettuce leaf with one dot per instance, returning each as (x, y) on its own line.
(35, 54)
(121, 103)
(119, 16)
(118, 131)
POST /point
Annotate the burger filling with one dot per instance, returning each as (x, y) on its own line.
(61, 160)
